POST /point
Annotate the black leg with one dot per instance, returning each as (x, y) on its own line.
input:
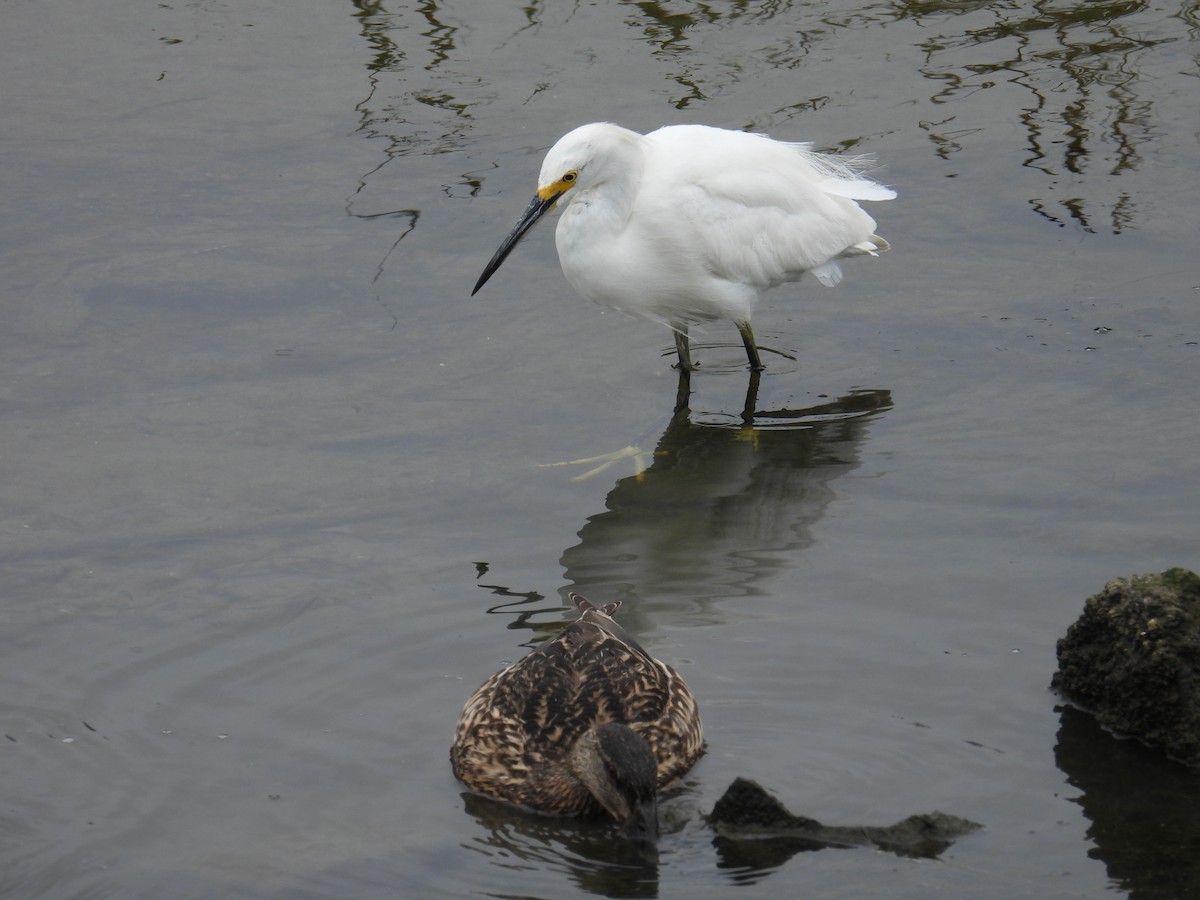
(750, 407)
(751, 349)
(683, 391)
(682, 347)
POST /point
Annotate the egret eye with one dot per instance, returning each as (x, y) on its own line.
(570, 176)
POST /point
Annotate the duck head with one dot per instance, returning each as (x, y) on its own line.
(616, 764)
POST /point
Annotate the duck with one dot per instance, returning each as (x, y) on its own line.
(588, 724)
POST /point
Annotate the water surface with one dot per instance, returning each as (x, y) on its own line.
(275, 488)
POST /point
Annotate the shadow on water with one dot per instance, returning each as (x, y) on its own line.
(1142, 806)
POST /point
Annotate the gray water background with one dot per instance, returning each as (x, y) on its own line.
(272, 484)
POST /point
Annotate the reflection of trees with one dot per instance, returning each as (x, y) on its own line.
(1077, 63)
(430, 113)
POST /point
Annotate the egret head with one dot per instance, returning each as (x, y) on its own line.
(585, 157)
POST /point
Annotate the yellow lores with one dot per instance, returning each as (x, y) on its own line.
(691, 223)
(587, 724)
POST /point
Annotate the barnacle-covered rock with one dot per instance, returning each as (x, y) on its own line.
(1132, 660)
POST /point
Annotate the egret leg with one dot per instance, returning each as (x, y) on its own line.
(682, 347)
(683, 392)
(751, 349)
(750, 407)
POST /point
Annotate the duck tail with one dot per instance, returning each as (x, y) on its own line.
(583, 604)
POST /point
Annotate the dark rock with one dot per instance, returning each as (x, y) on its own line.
(1132, 660)
(754, 829)
(746, 805)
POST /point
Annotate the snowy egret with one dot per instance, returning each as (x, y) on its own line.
(691, 223)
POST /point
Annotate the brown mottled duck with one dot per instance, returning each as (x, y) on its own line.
(587, 724)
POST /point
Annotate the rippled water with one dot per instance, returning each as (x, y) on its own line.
(278, 494)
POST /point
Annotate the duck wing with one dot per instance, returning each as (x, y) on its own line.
(625, 684)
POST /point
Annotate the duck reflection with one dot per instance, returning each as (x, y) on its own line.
(1142, 807)
(590, 853)
(727, 502)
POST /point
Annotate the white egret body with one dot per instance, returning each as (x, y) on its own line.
(691, 223)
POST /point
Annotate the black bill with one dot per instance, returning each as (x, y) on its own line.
(536, 209)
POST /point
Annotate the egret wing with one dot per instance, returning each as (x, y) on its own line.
(758, 211)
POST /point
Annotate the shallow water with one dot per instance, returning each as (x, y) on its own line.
(276, 494)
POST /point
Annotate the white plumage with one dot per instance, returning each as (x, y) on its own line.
(692, 223)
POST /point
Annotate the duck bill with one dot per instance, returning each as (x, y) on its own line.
(534, 211)
(642, 828)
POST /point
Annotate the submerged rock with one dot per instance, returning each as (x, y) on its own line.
(755, 829)
(1132, 660)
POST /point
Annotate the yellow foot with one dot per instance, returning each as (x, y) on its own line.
(605, 460)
